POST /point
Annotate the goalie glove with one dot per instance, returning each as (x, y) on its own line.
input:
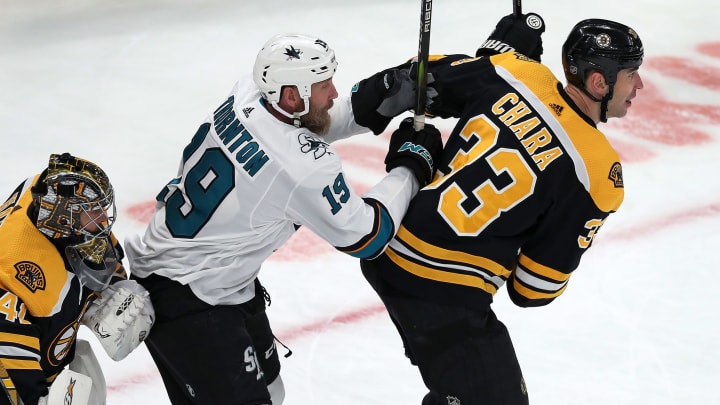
(121, 318)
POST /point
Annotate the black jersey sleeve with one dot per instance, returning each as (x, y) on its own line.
(554, 251)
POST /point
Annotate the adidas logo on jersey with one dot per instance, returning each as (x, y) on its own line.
(247, 111)
(557, 108)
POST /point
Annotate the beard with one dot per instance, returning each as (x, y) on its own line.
(317, 120)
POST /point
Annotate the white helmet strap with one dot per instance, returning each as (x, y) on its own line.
(295, 116)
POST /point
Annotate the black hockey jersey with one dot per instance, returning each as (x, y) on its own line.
(523, 186)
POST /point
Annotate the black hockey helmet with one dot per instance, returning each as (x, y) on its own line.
(600, 45)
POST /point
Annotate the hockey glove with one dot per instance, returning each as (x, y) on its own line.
(384, 95)
(418, 151)
(522, 34)
(121, 318)
(402, 94)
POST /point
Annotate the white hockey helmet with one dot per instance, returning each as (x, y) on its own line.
(292, 60)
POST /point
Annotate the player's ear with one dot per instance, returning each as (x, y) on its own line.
(596, 84)
(289, 98)
(291, 94)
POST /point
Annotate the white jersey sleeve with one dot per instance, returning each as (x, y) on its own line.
(342, 123)
(360, 226)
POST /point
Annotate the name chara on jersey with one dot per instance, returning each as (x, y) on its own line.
(531, 142)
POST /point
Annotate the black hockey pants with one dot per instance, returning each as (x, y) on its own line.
(208, 354)
(465, 356)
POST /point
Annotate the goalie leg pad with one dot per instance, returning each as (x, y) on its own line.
(86, 363)
(69, 387)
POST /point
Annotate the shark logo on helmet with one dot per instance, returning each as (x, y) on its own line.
(292, 53)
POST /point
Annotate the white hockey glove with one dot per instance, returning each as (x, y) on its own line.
(121, 318)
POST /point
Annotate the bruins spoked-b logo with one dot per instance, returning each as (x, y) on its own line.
(31, 275)
(616, 175)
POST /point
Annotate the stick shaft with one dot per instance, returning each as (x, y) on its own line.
(517, 8)
(423, 55)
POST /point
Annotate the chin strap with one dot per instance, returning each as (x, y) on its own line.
(296, 115)
(603, 101)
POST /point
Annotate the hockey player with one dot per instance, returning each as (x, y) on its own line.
(524, 183)
(260, 167)
(57, 258)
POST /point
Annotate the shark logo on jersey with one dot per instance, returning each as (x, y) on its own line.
(311, 144)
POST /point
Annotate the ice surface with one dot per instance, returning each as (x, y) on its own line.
(126, 84)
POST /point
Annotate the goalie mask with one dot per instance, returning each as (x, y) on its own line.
(76, 206)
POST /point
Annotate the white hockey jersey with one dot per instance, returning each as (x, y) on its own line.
(246, 182)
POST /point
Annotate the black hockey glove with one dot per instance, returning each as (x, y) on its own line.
(366, 97)
(418, 151)
(384, 95)
(522, 34)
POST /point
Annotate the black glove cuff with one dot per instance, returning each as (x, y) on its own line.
(366, 96)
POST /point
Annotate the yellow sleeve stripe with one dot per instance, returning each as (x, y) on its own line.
(535, 295)
(22, 340)
(543, 270)
(435, 252)
(17, 364)
(440, 275)
(8, 383)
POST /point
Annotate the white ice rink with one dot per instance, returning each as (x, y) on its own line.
(125, 83)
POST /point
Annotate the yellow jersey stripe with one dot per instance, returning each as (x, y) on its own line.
(17, 364)
(434, 252)
(543, 270)
(22, 340)
(440, 275)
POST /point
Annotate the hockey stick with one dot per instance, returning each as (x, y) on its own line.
(423, 54)
(517, 8)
